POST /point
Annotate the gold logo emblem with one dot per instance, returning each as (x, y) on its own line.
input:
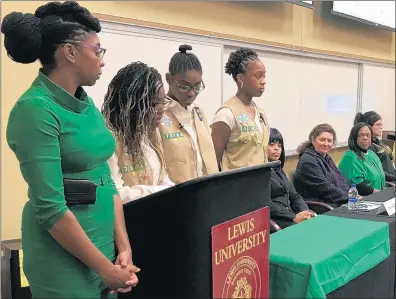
(243, 289)
(243, 279)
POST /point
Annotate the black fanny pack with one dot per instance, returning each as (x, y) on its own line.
(79, 192)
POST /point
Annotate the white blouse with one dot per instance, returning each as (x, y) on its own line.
(130, 193)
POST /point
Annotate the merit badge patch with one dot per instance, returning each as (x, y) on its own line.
(166, 121)
(199, 113)
(243, 118)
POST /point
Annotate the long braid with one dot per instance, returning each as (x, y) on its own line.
(129, 104)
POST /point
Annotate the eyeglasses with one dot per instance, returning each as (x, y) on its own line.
(362, 135)
(99, 51)
(186, 88)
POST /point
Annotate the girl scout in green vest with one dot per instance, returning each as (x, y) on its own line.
(59, 137)
(185, 133)
(133, 108)
(360, 165)
(240, 129)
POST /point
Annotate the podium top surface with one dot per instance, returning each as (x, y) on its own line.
(204, 179)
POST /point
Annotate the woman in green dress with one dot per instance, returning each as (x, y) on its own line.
(57, 133)
(360, 165)
(384, 152)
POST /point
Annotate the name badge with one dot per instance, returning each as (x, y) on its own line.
(174, 135)
(134, 167)
(247, 129)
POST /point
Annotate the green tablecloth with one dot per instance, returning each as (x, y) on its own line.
(313, 258)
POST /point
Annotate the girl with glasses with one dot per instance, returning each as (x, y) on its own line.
(133, 108)
(384, 153)
(185, 133)
(240, 129)
(62, 145)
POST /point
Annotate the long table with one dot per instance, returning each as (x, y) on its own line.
(318, 256)
(378, 282)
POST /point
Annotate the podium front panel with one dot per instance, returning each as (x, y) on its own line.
(170, 231)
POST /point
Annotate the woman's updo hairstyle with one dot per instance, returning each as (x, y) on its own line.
(28, 37)
(184, 61)
(239, 60)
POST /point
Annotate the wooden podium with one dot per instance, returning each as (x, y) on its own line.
(170, 231)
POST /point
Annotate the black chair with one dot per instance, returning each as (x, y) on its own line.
(274, 227)
(390, 184)
(316, 206)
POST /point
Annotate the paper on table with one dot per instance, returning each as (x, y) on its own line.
(366, 205)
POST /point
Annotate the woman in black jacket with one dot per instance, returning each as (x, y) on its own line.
(384, 153)
(286, 205)
(317, 177)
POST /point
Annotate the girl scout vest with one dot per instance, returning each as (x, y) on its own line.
(138, 171)
(180, 155)
(251, 146)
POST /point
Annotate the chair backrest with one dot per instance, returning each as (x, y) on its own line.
(274, 227)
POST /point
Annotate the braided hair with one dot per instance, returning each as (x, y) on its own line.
(239, 60)
(28, 37)
(182, 61)
(129, 106)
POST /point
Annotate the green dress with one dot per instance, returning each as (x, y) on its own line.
(54, 136)
(368, 170)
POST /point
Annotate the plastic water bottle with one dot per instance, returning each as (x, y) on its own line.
(352, 197)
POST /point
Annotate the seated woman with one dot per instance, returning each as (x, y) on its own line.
(384, 153)
(286, 205)
(133, 108)
(317, 177)
(360, 165)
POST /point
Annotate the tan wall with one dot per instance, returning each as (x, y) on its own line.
(284, 23)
